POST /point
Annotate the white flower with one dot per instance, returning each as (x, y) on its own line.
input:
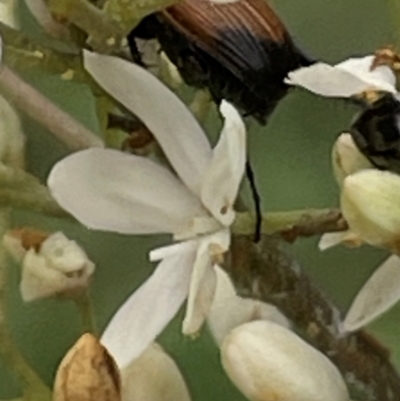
(268, 362)
(154, 376)
(346, 79)
(59, 267)
(230, 310)
(109, 190)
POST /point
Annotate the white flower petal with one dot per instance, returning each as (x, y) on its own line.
(230, 310)
(149, 309)
(344, 80)
(175, 128)
(378, 295)
(171, 250)
(348, 238)
(203, 280)
(330, 240)
(108, 190)
(381, 77)
(223, 177)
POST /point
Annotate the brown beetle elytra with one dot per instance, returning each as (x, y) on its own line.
(240, 51)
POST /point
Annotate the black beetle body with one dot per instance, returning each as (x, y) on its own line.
(240, 51)
(376, 132)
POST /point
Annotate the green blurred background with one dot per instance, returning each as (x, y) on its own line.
(292, 160)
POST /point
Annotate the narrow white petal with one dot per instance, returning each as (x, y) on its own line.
(149, 309)
(378, 295)
(223, 177)
(203, 280)
(175, 128)
(336, 81)
(109, 190)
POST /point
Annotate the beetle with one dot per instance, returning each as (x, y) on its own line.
(239, 51)
(376, 132)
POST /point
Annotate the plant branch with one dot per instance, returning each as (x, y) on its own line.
(292, 224)
(38, 107)
(265, 271)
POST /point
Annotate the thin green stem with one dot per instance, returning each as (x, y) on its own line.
(85, 307)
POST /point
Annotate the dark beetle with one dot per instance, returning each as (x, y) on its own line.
(376, 132)
(240, 51)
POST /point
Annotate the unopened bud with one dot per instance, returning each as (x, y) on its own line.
(230, 310)
(154, 376)
(347, 159)
(12, 138)
(52, 265)
(9, 13)
(370, 203)
(268, 362)
(87, 373)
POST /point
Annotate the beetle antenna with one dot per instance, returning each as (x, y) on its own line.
(256, 199)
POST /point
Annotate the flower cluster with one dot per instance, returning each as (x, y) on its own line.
(370, 197)
(112, 191)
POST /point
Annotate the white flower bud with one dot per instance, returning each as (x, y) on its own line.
(154, 376)
(12, 138)
(56, 266)
(229, 310)
(370, 203)
(9, 13)
(270, 363)
(346, 158)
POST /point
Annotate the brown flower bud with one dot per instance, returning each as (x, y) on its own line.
(87, 373)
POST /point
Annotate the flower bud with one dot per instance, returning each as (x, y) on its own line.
(370, 203)
(52, 265)
(154, 376)
(12, 138)
(268, 362)
(346, 158)
(9, 13)
(87, 373)
(229, 310)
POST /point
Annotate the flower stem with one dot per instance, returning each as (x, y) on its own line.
(292, 224)
(33, 387)
(85, 307)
